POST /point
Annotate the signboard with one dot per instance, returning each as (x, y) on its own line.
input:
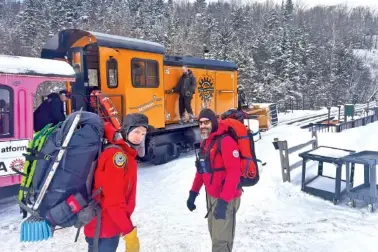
(349, 110)
(11, 156)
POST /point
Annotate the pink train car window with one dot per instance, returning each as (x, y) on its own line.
(6, 111)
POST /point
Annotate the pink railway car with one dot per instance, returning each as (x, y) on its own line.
(19, 80)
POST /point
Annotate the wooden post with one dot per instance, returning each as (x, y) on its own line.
(284, 157)
(329, 115)
(367, 109)
(282, 146)
(314, 144)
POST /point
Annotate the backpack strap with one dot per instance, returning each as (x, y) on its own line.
(93, 206)
(97, 208)
(113, 145)
(218, 140)
(98, 211)
(253, 152)
(37, 155)
(98, 229)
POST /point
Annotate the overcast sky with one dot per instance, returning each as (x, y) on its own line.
(309, 3)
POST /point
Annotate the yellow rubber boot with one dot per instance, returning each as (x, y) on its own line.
(132, 241)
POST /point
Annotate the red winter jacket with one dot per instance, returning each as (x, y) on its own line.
(224, 184)
(118, 180)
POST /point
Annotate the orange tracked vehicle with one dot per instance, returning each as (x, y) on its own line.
(136, 75)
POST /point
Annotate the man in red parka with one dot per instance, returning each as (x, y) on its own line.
(116, 174)
(218, 168)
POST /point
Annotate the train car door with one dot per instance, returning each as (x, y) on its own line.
(111, 79)
(225, 91)
(146, 89)
(76, 58)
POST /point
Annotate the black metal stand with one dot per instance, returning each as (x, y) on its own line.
(337, 183)
(368, 190)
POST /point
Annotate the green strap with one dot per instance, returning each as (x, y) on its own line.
(32, 145)
(29, 168)
(40, 142)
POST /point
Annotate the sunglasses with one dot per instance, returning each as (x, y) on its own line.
(206, 122)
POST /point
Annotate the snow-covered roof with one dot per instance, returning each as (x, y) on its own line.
(59, 44)
(35, 66)
(115, 41)
(193, 62)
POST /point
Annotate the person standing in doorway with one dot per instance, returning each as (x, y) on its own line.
(186, 87)
(51, 110)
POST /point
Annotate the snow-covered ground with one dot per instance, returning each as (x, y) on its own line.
(273, 216)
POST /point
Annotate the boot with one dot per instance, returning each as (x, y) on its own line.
(182, 120)
(191, 118)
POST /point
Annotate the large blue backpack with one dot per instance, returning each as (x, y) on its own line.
(60, 162)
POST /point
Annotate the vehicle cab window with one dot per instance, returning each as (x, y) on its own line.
(6, 109)
(145, 73)
(112, 73)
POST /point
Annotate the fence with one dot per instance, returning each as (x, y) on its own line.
(319, 127)
(306, 103)
(284, 151)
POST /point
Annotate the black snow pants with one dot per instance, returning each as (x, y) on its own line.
(185, 104)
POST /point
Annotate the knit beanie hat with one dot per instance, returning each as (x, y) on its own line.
(209, 114)
(131, 122)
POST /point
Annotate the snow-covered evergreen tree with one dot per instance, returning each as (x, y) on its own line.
(31, 27)
(198, 30)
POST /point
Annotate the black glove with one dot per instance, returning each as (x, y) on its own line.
(220, 209)
(190, 202)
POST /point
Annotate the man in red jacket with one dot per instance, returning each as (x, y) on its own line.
(116, 174)
(218, 168)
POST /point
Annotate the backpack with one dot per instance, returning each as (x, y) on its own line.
(244, 139)
(60, 163)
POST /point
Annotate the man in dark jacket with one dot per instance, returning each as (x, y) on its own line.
(242, 100)
(219, 172)
(51, 110)
(186, 87)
